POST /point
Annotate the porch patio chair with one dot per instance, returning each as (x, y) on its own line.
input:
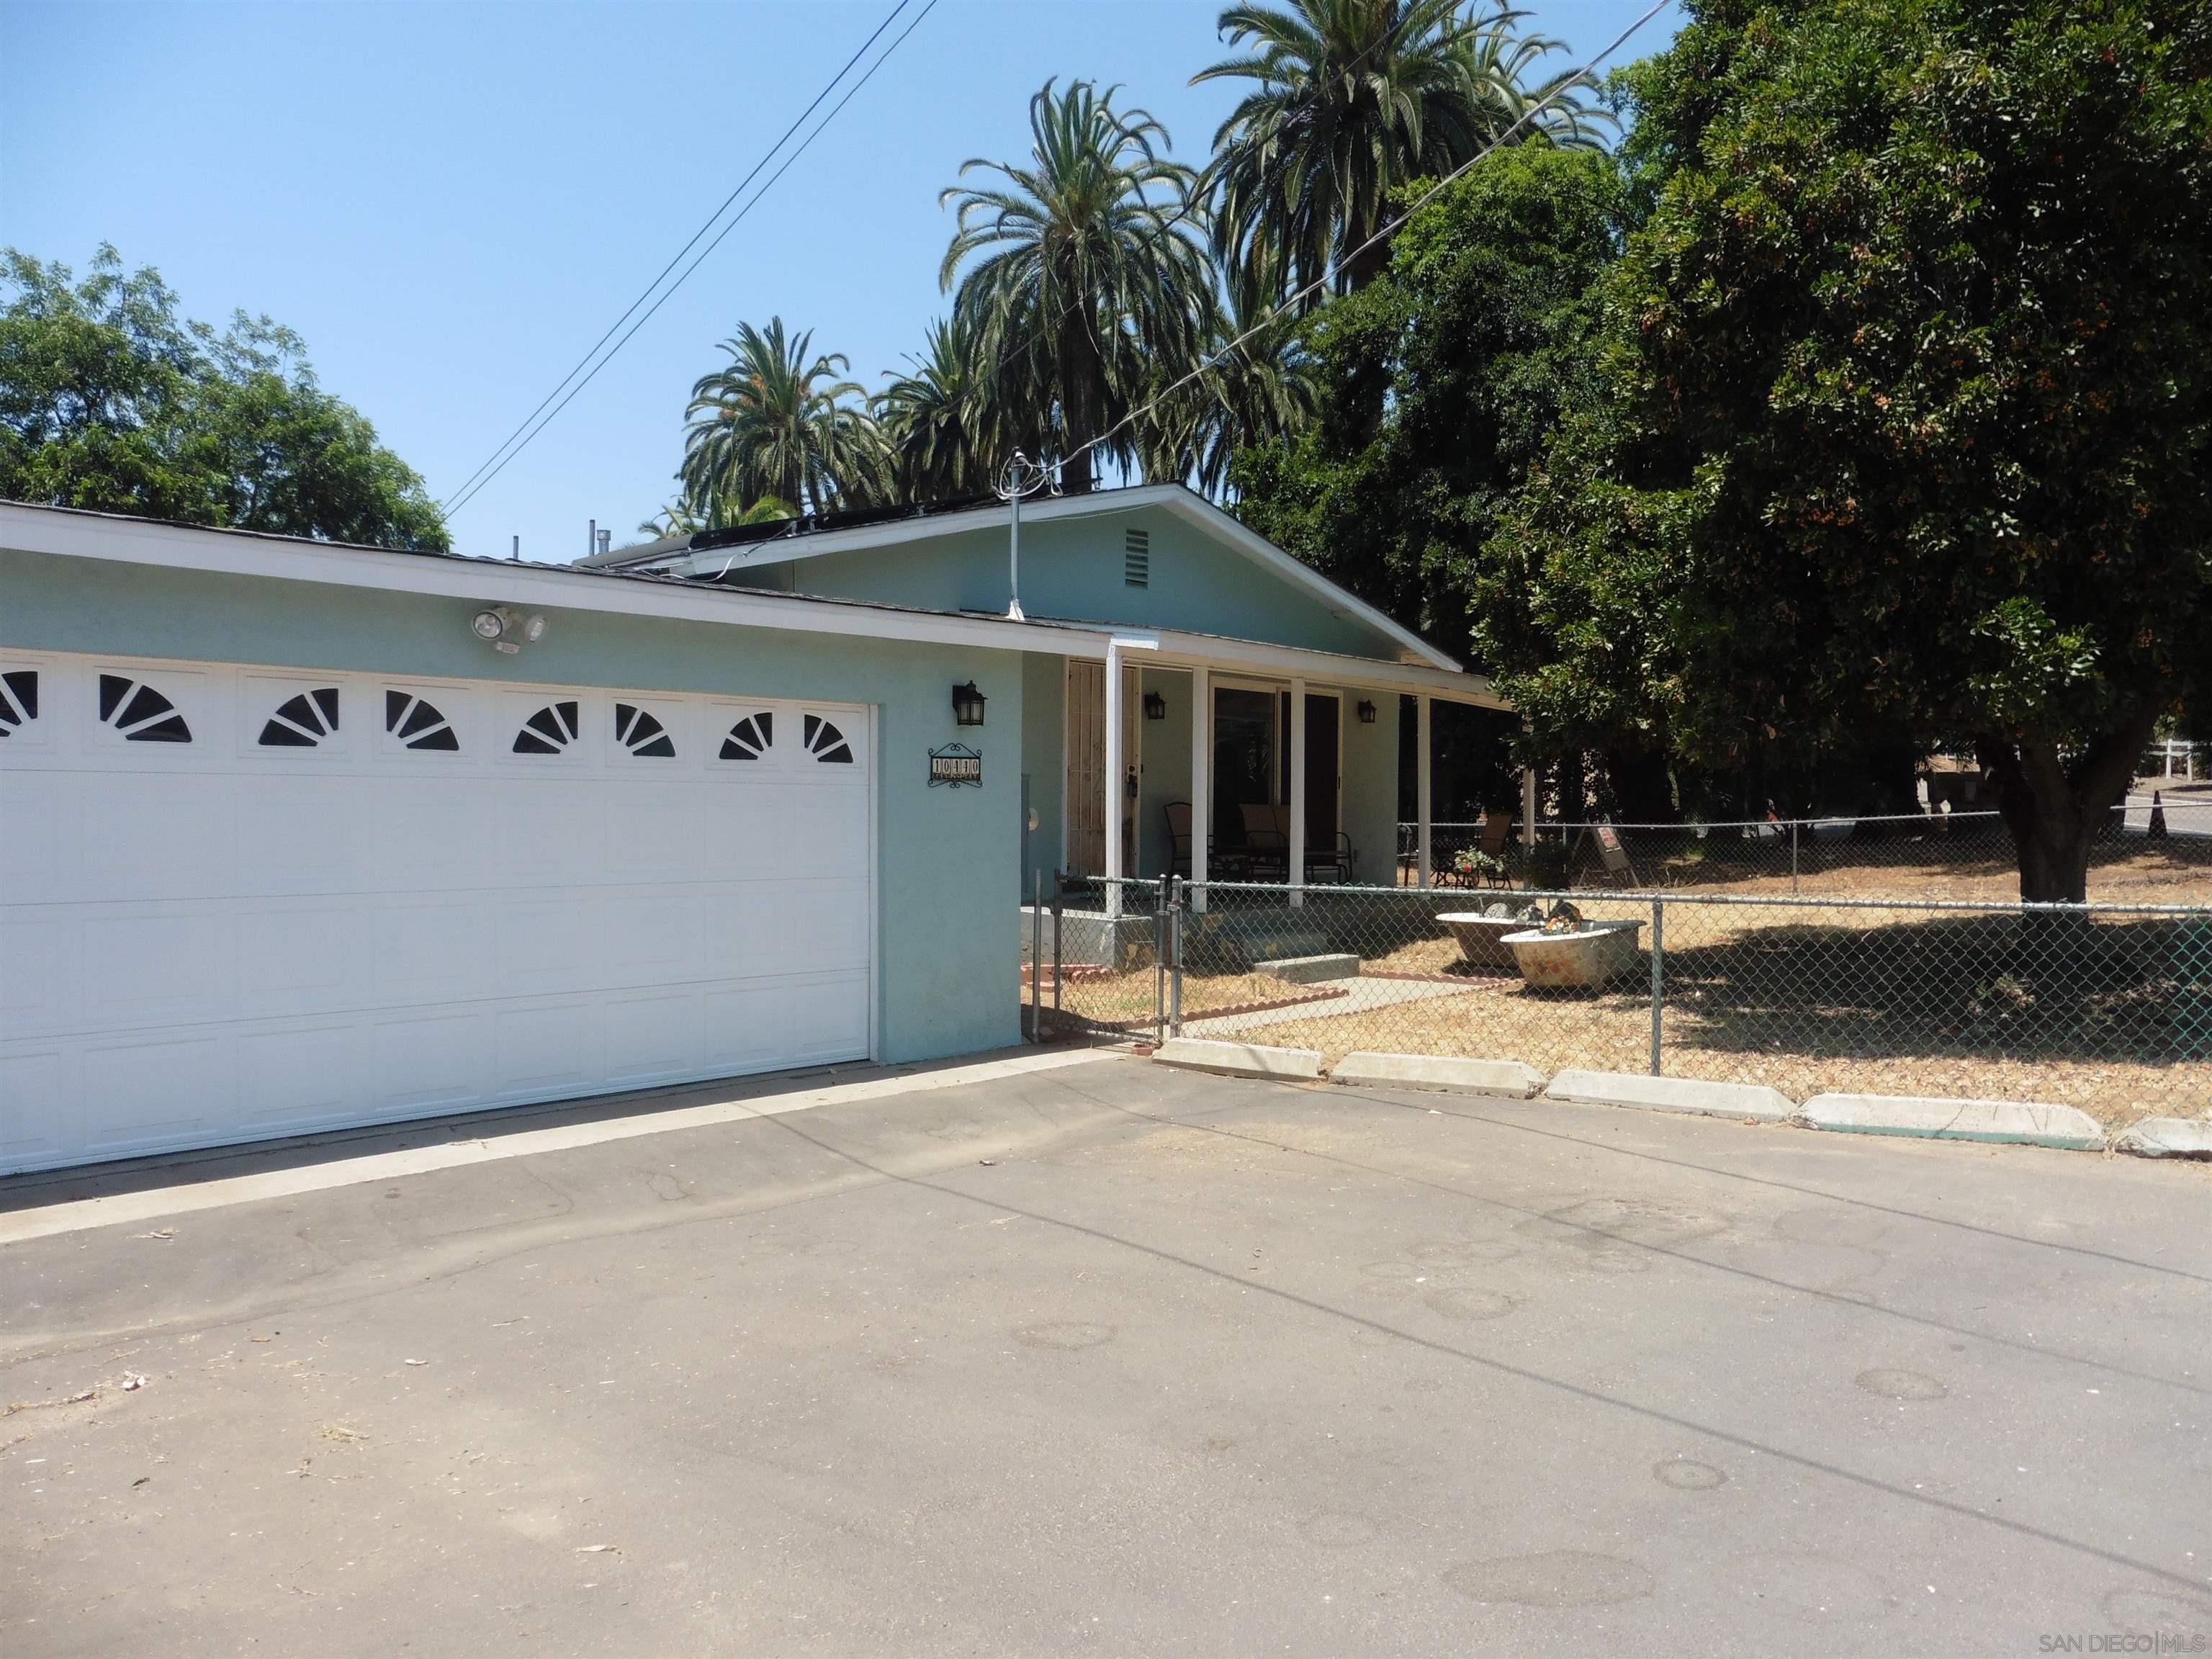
(1178, 816)
(1265, 845)
(1496, 831)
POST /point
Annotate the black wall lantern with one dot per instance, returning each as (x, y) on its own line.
(967, 705)
(1366, 712)
(1156, 706)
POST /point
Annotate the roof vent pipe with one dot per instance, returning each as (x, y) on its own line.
(1023, 477)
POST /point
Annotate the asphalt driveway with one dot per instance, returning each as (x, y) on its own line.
(1114, 1359)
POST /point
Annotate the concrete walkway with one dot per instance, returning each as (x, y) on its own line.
(1360, 995)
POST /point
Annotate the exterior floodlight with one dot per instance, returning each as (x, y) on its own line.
(505, 629)
(967, 705)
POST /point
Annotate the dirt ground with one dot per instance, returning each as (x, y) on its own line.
(1830, 999)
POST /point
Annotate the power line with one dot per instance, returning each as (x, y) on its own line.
(500, 456)
(1382, 235)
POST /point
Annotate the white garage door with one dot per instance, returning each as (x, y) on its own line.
(237, 902)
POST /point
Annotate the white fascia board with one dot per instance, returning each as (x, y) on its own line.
(1194, 509)
(787, 550)
(1283, 662)
(493, 581)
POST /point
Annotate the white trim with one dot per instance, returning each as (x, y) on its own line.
(62, 532)
(1192, 508)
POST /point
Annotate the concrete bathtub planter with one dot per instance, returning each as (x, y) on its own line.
(1482, 937)
(1583, 960)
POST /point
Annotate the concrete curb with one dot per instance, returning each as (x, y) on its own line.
(2169, 1137)
(1673, 1094)
(2002, 1121)
(1508, 1078)
(1239, 1059)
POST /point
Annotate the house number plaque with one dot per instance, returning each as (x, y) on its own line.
(955, 765)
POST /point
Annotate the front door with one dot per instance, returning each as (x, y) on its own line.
(1086, 769)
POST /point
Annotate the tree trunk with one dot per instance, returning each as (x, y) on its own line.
(2055, 811)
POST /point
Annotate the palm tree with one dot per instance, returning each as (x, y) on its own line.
(776, 421)
(684, 516)
(1258, 390)
(936, 422)
(1085, 277)
(1353, 99)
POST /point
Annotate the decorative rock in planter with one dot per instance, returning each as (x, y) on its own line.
(1585, 959)
(1481, 935)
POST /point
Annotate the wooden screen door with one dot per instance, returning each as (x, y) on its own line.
(1086, 767)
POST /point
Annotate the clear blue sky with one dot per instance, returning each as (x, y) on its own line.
(451, 202)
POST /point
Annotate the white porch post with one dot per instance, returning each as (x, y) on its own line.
(1422, 809)
(1298, 791)
(1527, 806)
(1201, 779)
(1113, 777)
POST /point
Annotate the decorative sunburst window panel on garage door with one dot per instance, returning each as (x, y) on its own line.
(304, 721)
(641, 734)
(825, 742)
(549, 730)
(19, 699)
(751, 737)
(417, 723)
(140, 713)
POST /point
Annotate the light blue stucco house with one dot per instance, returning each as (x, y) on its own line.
(302, 835)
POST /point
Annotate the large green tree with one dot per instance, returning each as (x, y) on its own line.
(110, 401)
(777, 421)
(1081, 279)
(1909, 403)
(938, 419)
(1458, 361)
(1350, 99)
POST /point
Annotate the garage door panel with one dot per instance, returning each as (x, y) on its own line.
(292, 1078)
(829, 1018)
(303, 959)
(430, 833)
(156, 835)
(651, 936)
(425, 1062)
(39, 1122)
(652, 1039)
(824, 927)
(166, 967)
(546, 1049)
(309, 836)
(34, 807)
(828, 837)
(158, 1092)
(204, 940)
(38, 972)
(426, 952)
(547, 944)
(746, 1027)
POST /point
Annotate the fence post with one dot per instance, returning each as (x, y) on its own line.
(1160, 962)
(1793, 858)
(1036, 955)
(1058, 894)
(1176, 900)
(1658, 975)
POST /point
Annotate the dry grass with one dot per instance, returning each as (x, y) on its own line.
(1128, 998)
(1818, 999)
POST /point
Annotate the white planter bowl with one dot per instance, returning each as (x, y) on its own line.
(1599, 952)
(1482, 939)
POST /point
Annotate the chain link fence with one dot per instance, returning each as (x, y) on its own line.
(2159, 853)
(2107, 1007)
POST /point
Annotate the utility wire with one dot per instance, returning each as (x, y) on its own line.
(500, 456)
(1382, 235)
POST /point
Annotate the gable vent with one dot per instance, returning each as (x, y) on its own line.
(1137, 557)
